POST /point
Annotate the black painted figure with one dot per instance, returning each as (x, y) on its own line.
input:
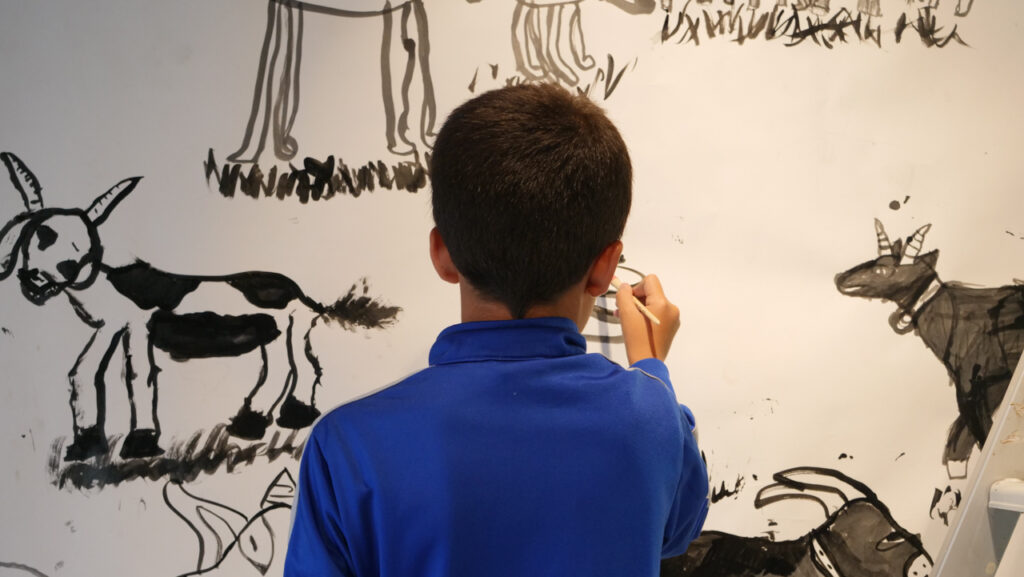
(977, 333)
(859, 537)
(136, 310)
(275, 102)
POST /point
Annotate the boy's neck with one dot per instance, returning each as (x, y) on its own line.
(574, 304)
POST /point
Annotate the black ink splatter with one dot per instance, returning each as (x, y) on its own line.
(721, 492)
(845, 456)
(898, 457)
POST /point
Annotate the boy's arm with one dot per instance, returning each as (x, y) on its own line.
(317, 547)
(690, 507)
(645, 342)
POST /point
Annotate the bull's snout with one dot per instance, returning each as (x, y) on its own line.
(919, 566)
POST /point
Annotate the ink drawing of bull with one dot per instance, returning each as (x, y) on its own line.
(977, 333)
(135, 310)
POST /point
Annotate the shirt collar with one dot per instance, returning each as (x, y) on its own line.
(518, 339)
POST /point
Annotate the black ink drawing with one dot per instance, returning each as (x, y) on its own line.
(977, 333)
(859, 537)
(549, 45)
(20, 569)
(607, 328)
(546, 32)
(221, 529)
(315, 180)
(825, 23)
(275, 103)
(61, 254)
(182, 461)
(944, 503)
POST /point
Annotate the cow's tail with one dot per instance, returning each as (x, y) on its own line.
(358, 308)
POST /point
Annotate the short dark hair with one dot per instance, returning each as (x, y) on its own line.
(530, 183)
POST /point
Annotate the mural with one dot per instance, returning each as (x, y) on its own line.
(194, 331)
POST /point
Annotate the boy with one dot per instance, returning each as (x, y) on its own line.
(515, 453)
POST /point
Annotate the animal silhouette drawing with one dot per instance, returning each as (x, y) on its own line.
(859, 537)
(977, 333)
(136, 310)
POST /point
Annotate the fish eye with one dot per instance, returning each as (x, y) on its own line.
(46, 236)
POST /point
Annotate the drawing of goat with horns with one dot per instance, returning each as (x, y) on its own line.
(135, 308)
(859, 537)
(977, 333)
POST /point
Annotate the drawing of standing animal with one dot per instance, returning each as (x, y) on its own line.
(859, 537)
(137, 309)
(977, 333)
(275, 102)
(543, 29)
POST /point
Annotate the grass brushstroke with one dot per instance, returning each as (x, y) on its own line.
(184, 461)
(794, 25)
(316, 180)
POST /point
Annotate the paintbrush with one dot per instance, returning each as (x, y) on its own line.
(647, 313)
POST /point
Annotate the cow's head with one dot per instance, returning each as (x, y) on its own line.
(899, 274)
(859, 536)
(59, 247)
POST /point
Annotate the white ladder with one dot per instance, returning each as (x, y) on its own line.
(987, 536)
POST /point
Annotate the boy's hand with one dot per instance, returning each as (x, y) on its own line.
(645, 339)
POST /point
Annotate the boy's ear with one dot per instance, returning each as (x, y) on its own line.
(442, 260)
(603, 269)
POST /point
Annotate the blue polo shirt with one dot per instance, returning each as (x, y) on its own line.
(515, 453)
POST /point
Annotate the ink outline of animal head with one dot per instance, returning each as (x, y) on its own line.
(49, 238)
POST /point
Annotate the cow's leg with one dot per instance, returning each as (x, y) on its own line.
(395, 128)
(551, 37)
(959, 445)
(428, 107)
(144, 433)
(299, 407)
(524, 38)
(252, 418)
(275, 98)
(576, 41)
(88, 395)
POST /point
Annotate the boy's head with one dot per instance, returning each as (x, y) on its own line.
(530, 184)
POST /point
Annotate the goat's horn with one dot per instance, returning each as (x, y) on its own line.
(100, 208)
(884, 246)
(24, 181)
(814, 483)
(830, 503)
(10, 237)
(916, 242)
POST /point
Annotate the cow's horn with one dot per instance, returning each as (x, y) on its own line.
(100, 208)
(915, 243)
(884, 246)
(830, 488)
(10, 235)
(24, 181)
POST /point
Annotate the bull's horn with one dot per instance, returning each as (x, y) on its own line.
(100, 208)
(915, 243)
(830, 488)
(777, 492)
(884, 246)
(10, 235)
(24, 181)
